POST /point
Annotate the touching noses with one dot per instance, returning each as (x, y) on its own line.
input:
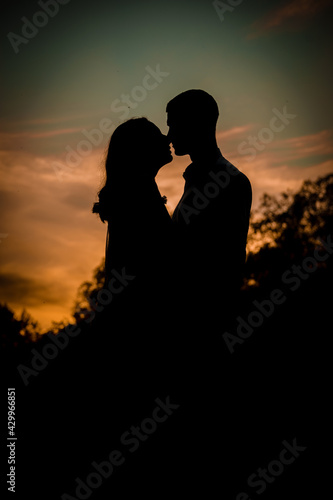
(169, 137)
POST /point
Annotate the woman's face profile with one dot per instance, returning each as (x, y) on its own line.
(157, 148)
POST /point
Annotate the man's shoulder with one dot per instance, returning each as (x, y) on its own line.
(244, 180)
(237, 177)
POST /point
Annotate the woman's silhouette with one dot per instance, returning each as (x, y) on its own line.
(139, 243)
(139, 226)
(139, 337)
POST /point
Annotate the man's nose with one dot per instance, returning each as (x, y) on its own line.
(165, 139)
(168, 136)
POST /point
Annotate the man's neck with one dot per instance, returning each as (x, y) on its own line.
(206, 154)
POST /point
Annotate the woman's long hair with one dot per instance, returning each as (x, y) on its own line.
(123, 162)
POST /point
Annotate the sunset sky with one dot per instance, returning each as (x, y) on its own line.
(70, 75)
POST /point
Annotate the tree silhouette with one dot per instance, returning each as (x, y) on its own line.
(16, 332)
(30, 328)
(87, 292)
(288, 228)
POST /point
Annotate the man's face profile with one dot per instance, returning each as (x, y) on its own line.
(181, 133)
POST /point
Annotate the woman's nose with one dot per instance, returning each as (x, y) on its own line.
(166, 138)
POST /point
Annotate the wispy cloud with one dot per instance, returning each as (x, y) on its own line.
(12, 137)
(286, 163)
(313, 144)
(294, 15)
(52, 120)
(48, 225)
(233, 132)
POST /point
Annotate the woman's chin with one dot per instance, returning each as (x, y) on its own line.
(167, 160)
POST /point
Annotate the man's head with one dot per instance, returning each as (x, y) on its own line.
(192, 117)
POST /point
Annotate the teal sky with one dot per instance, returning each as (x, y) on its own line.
(262, 56)
(92, 52)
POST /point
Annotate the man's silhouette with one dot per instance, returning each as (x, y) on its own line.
(211, 221)
(212, 216)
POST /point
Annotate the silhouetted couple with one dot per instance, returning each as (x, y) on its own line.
(192, 263)
(183, 273)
